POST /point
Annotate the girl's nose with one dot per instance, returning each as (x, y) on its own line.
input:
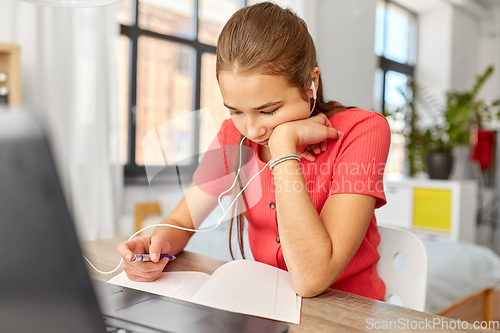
(255, 131)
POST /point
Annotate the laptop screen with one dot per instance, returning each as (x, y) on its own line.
(44, 285)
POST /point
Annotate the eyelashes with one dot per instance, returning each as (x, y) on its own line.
(235, 113)
(270, 112)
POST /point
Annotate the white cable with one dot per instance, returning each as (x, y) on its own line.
(314, 105)
(188, 229)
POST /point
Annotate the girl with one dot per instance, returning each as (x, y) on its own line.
(315, 217)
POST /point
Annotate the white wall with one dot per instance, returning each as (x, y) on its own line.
(346, 41)
(306, 9)
(489, 51)
(465, 53)
(455, 43)
(434, 50)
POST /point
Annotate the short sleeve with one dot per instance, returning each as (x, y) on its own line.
(217, 169)
(361, 158)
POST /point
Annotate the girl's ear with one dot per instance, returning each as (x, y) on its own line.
(315, 81)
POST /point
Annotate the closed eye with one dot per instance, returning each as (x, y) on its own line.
(270, 112)
(234, 113)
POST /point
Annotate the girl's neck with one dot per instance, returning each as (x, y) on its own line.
(264, 154)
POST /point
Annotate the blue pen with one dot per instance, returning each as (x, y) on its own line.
(145, 257)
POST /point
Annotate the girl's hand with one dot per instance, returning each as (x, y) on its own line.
(308, 137)
(144, 271)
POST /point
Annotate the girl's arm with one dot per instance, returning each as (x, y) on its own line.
(190, 212)
(318, 247)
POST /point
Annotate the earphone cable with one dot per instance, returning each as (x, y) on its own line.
(188, 229)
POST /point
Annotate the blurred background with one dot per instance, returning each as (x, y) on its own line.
(102, 77)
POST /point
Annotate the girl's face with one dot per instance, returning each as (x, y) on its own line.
(258, 103)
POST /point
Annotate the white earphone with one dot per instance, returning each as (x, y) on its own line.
(313, 88)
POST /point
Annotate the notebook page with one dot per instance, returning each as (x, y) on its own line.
(180, 285)
(252, 288)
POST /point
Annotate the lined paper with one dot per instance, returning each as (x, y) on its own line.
(180, 285)
(242, 286)
(252, 288)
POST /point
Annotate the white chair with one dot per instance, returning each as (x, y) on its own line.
(403, 266)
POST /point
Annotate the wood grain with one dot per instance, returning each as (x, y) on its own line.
(332, 311)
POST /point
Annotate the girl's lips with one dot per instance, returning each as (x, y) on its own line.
(263, 142)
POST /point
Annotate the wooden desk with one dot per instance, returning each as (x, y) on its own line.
(332, 311)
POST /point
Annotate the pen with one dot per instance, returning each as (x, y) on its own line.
(145, 257)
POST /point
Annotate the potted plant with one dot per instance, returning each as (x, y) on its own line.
(433, 132)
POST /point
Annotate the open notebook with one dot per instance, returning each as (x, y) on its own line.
(242, 286)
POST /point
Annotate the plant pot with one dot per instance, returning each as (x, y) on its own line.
(439, 165)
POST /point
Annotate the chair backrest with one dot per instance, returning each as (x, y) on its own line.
(403, 266)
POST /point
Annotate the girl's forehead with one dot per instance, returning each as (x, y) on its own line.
(253, 91)
(251, 78)
(236, 84)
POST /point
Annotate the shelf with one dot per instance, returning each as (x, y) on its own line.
(10, 63)
(442, 209)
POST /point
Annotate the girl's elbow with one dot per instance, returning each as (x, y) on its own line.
(309, 287)
(307, 293)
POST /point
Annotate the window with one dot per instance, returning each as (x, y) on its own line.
(167, 69)
(395, 46)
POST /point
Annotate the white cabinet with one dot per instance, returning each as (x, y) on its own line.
(443, 209)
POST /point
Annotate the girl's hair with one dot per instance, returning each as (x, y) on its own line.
(267, 39)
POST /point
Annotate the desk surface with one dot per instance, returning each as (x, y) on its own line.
(332, 311)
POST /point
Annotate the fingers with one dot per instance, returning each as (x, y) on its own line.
(324, 145)
(316, 148)
(144, 271)
(158, 246)
(127, 249)
(308, 156)
(322, 119)
(333, 133)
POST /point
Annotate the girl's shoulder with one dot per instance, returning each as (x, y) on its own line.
(228, 133)
(355, 117)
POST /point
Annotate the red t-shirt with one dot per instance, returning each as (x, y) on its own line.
(354, 163)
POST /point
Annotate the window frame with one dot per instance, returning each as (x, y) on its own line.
(386, 64)
(136, 174)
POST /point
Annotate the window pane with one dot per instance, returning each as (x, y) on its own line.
(213, 14)
(377, 89)
(396, 158)
(379, 29)
(394, 82)
(397, 34)
(125, 15)
(123, 86)
(167, 17)
(164, 91)
(412, 48)
(210, 98)
(393, 98)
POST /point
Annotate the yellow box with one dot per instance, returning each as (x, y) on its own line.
(432, 209)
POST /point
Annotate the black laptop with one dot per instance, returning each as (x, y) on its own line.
(44, 284)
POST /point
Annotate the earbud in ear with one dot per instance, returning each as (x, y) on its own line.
(313, 88)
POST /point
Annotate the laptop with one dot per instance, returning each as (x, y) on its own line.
(44, 283)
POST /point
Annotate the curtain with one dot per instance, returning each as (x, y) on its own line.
(70, 79)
